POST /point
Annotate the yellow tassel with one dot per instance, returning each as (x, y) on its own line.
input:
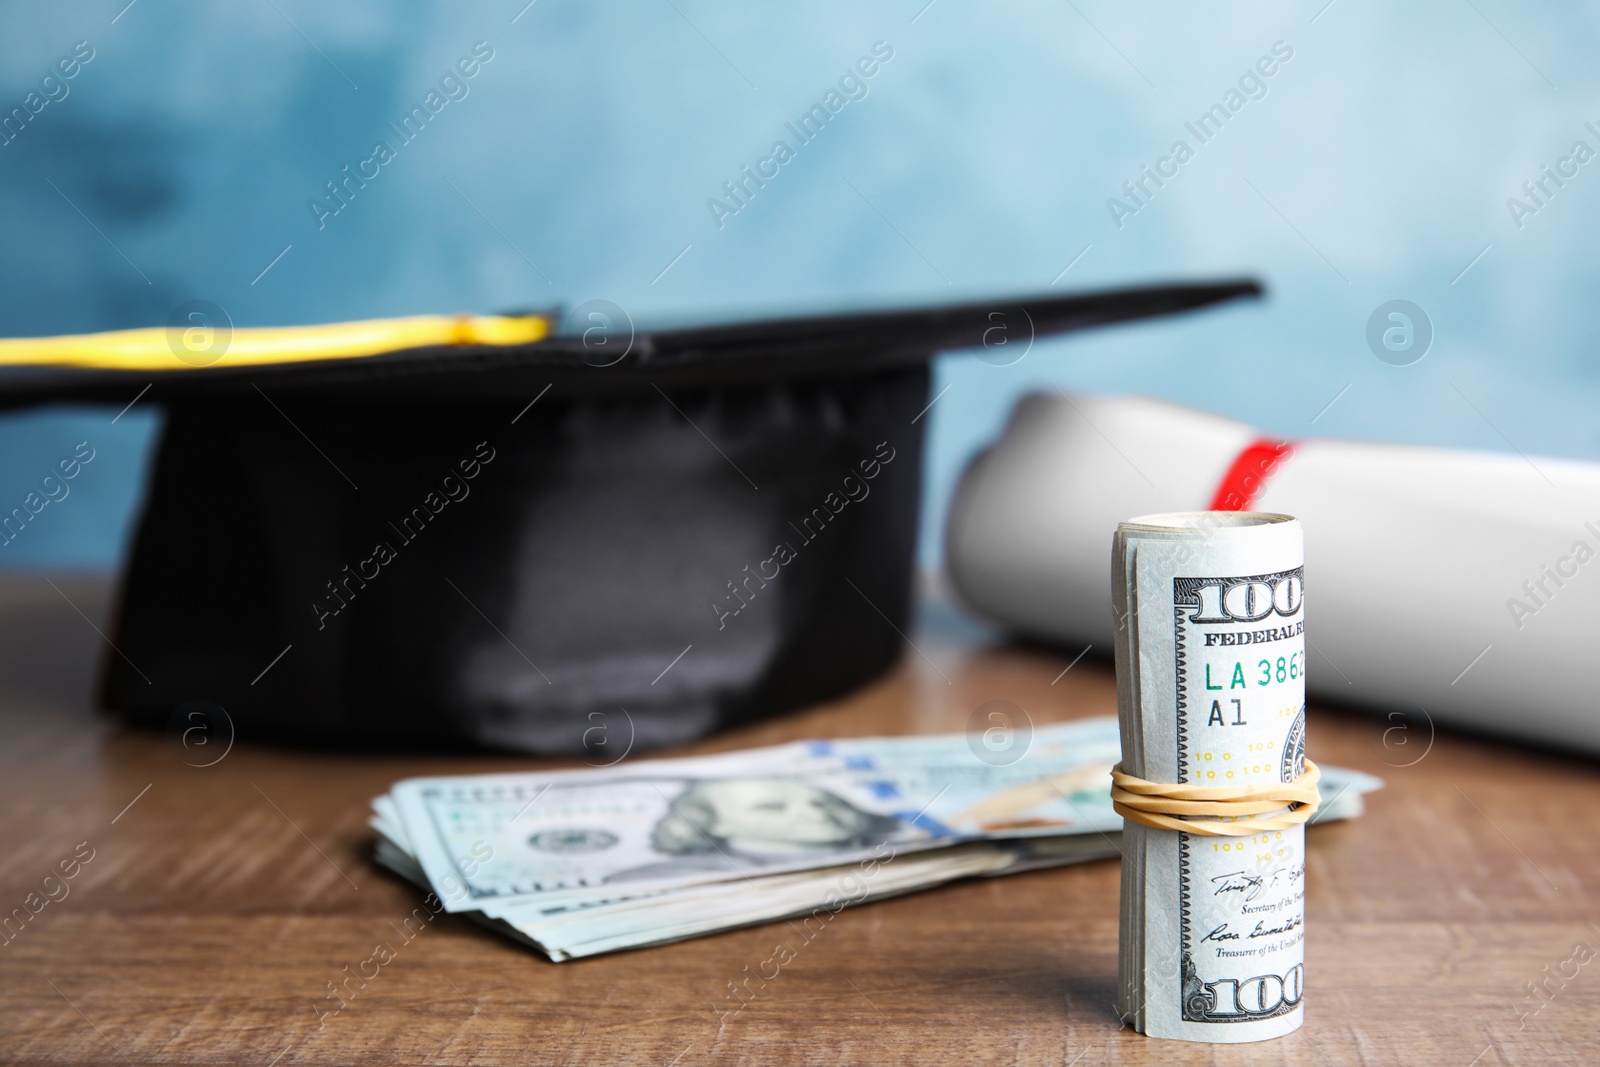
(158, 348)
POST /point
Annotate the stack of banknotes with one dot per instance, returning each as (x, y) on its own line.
(581, 862)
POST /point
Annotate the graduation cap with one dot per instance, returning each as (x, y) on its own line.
(482, 531)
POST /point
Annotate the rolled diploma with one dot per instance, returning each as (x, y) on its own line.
(1452, 586)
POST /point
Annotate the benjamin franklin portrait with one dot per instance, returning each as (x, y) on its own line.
(735, 823)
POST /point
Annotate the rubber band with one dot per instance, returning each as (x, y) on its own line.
(1248, 809)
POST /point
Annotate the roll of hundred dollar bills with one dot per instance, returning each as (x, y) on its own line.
(1210, 656)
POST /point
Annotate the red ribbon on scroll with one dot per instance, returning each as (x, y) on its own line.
(1249, 473)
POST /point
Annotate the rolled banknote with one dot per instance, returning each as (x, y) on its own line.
(1210, 655)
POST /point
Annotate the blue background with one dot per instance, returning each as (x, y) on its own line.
(1377, 166)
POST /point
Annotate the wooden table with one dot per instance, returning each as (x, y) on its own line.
(220, 902)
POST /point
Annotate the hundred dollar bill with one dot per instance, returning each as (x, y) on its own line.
(810, 897)
(1211, 669)
(1048, 806)
(576, 838)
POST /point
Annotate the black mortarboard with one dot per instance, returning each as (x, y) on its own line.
(463, 532)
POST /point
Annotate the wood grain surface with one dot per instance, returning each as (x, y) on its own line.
(220, 901)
